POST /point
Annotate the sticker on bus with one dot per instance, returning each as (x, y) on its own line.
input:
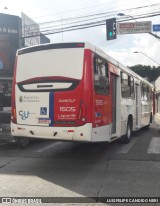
(44, 120)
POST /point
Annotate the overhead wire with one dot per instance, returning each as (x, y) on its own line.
(101, 13)
(94, 20)
(91, 24)
(88, 7)
(104, 18)
(106, 13)
(86, 20)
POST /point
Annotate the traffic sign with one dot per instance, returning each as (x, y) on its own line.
(156, 27)
(134, 27)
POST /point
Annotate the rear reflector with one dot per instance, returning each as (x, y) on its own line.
(70, 131)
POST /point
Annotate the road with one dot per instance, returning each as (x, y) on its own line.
(67, 169)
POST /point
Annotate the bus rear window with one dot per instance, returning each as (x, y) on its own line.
(54, 62)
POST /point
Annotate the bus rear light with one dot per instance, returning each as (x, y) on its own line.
(70, 131)
(14, 116)
(82, 112)
(13, 110)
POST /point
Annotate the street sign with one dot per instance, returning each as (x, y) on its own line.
(134, 27)
(156, 27)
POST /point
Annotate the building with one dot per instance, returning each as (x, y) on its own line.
(15, 33)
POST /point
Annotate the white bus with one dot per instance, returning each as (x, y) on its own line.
(76, 92)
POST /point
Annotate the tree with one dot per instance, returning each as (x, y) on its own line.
(151, 73)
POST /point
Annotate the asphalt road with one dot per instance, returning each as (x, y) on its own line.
(68, 169)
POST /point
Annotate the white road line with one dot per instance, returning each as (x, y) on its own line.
(48, 147)
(126, 147)
(154, 147)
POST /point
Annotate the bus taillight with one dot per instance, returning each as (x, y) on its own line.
(14, 117)
(13, 114)
(82, 113)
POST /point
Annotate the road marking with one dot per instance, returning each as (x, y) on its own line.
(126, 147)
(154, 146)
(48, 147)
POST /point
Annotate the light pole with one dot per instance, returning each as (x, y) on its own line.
(122, 14)
(146, 56)
(4, 9)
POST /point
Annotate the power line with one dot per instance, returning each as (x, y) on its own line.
(86, 7)
(85, 26)
(95, 15)
(92, 22)
(89, 25)
(95, 18)
(137, 16)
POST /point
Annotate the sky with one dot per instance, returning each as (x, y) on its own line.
(53, 14)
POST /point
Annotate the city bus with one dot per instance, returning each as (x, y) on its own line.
(76, 92)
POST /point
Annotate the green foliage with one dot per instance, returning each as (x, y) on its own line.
(151, 73)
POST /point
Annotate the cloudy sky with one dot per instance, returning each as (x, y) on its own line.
(53, 15)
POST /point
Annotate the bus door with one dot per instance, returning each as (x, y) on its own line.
(102, 100)
(137, 105)
(113, 93)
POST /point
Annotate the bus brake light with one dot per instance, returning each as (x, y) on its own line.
(82, 112)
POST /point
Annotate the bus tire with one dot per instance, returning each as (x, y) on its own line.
(150, 121)
(127, 137)
(22, 142)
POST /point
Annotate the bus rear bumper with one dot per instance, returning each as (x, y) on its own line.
(81, 133)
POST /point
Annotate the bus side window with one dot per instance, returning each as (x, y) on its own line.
(127, 86)
(106, 65)
(144, 92)
(101, 83)
(132, 87)
(95, 65)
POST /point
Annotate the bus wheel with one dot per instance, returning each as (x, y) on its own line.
(150, 121)
(127, 137)
(23, 142)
